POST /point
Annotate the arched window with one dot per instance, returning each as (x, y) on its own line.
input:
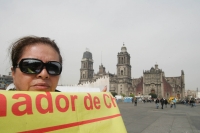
(121, 72)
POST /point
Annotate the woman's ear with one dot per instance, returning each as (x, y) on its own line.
(13, 74)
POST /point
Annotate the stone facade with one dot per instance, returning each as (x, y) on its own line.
(86, 71)
(152, 81)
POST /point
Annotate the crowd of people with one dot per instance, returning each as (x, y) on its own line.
(190, 102)
(162, 101)
(173, 102)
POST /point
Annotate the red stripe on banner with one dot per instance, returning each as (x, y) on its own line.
(48, 129)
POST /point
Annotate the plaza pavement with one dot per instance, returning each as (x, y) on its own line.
(145, 118)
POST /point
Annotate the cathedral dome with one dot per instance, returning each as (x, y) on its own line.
(123, 49)
(87, 55)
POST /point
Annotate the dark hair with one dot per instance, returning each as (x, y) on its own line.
(17, 48)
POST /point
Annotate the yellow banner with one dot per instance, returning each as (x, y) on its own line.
(58, 112)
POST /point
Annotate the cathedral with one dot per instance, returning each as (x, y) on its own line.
(152, 81)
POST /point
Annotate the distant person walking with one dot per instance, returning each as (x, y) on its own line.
(192, 103)
(132, 100)
(165, 100)
(162, 102)
(171, 103)
(157, 103)
(135, 101)
(187, 101)
(174, 101)
(144, 100)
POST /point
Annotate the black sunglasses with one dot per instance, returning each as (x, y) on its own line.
(35, 66)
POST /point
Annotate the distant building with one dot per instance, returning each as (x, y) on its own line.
(190, 93)
(152, 81)
(86, 71)
(5, 80)
(198, 93)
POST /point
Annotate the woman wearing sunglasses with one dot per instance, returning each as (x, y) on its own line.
(36, 64)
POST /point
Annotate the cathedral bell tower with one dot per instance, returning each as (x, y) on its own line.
(124, 72)
(86, 71)
(123, 65)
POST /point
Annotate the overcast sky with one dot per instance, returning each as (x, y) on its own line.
(166, 32)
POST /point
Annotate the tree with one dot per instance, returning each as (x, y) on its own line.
(153, 95)
(123, 95)
(114, 94)
(132, 95)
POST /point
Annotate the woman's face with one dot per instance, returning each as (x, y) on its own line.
(37, 82)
